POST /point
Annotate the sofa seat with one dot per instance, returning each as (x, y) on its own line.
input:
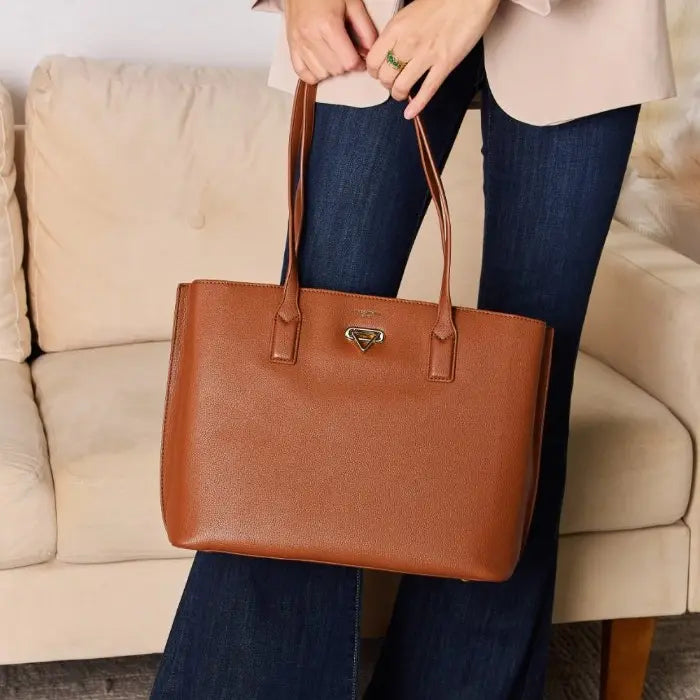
(102, 409)
(27, 509)
(630, 464)
(630, 459)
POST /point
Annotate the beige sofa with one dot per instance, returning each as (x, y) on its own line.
(136, 178)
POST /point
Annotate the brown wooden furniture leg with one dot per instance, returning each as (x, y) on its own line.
(624, 658)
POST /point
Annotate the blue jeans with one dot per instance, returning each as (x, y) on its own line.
(257, 629)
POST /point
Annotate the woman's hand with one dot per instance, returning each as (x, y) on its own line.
(328, 37)
(429, 36)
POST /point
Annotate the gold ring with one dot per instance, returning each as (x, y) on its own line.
(394, 61)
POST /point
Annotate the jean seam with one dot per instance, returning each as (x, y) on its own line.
(356, 634)
(487, 109)
(486, 135)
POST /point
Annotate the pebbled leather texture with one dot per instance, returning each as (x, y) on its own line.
(283, 439)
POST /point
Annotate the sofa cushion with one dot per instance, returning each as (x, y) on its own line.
(27, 509)
(139, 178)
(630, 459)
(103, 409)
(14, 326)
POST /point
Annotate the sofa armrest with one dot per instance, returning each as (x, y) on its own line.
(644, 321)
(27, 505)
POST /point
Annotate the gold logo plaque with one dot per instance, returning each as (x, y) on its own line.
(364, 338)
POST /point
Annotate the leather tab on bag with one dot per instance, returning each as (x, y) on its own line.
(443, 352)
(285, 339)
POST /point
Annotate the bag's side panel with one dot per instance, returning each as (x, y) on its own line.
(538, 429)
(168, 461)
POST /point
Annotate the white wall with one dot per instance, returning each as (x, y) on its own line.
(217, 32)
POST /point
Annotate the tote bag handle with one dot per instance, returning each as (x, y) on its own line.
(288, 319)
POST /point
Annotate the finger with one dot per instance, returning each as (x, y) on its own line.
(361, 24)
(377, 54)
(313, 64)
(328, 57)
(301, 69)
(433, 80)
(345, 54)
(409, 76)
(388, 73)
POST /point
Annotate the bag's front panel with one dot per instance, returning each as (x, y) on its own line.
(350, 455)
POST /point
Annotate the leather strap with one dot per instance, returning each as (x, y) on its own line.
(287, 324)
(288, 318)
(443, 341)
(299, 158)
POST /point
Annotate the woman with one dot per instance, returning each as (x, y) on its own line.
(561, 88)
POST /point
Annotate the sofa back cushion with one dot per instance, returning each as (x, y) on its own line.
(141, 177)
(14, 326)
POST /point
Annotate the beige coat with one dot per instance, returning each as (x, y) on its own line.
(547, 61)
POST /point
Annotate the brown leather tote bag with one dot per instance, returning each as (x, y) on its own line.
(350, 429)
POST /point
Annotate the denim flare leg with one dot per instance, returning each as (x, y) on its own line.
(256, 629)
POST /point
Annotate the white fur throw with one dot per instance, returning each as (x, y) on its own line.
(661, 193)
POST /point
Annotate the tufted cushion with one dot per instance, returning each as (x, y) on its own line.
(139, 178)
(27, 511)
(14, 326)
(102, 408)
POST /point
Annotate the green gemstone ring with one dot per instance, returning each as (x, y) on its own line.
(395, 62)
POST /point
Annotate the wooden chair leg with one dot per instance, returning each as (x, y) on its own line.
(624, 658)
